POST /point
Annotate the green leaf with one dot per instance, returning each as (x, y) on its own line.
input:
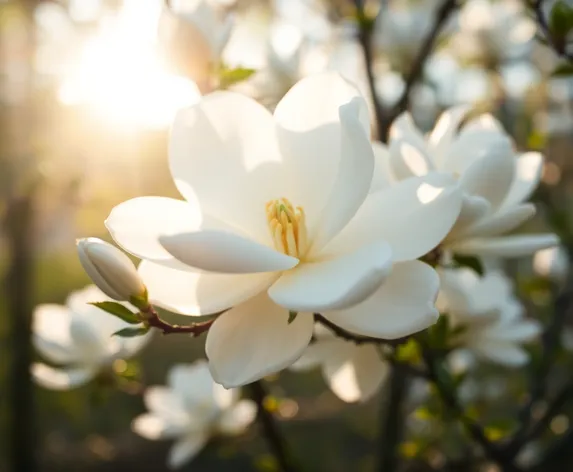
(131, 332)
(292, 316)
(119, 310)
(228, 77)
(469, 261)
(565, 69)
(560, 21)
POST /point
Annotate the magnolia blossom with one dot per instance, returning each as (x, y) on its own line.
(78, 337)
(495, 180)
(489, 315)
(194, 34)
(353, 372)
(279, 217)
(191, 409)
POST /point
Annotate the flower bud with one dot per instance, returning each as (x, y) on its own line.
(111, 270)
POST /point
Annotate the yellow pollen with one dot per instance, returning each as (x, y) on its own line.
(287, 226)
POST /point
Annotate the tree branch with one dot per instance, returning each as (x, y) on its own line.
(449, 399)
(441, 17)
(270, 428)
(392, 420)
(557, 45)
(151, 318)
(355, 338)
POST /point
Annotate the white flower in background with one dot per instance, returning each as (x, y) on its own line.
(238, 241)
(491, 316)
(194, 34)
(494, 30)
(191, 409)
(353, 372)
(79, 338)
(494, 179)
(552, 263)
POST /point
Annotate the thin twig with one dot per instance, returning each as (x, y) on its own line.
(449, 399)
(365, 39)
(392, 420)
(558, 45)
(356, 338)
(441, 17)
(152, 319)
(270, 428)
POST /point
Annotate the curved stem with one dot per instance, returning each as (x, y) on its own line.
(270, 428)
(151, 318)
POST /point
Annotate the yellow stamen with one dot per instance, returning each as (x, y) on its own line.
(287, 227)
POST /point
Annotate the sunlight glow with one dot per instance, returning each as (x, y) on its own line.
(122, 79)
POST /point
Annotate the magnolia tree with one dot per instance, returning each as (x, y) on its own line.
(325, 230)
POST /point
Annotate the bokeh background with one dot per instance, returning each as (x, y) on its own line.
(87, 91)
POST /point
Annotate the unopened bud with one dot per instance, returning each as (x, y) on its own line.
(111, 270)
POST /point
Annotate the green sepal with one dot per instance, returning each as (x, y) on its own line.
(292, 316)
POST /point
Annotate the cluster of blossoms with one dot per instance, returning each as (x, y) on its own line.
(296, 226)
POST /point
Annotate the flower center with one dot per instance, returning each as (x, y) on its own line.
(288, 227)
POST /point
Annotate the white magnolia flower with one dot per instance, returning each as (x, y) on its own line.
(491, 316)
(238, 241)
(79, 338)
(191, 409)
(353, 372)
(194, 34)
(495, 180)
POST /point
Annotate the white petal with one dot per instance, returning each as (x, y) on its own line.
(309, 132)
(218, 251)
(504, 353)
(446, 128)
(473, 209)
(408, 160)
(192, 293)
(473, 146)
(403, 305)
(255, 339)
(382, 176)
(505, 246)
(51, 333)
(223, 153)
(61, 379)
(186, 449)
(167, 404)
(236, 419)
(405, 129)
(528, 173)
(315, 101)
(89, 341)
(335, 283)
(354, 177)
(491, 176)
(522, 331)
(199, 393)
(137, 224)
(358, 377)
(154, 427)
(413, 216)
(316, 354)
(501, 222)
